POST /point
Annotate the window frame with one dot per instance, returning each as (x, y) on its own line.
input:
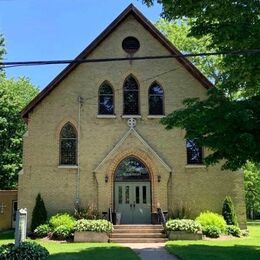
(163, 101)
(62, 165)
(201, 152)
(124, 115)
(113, 96)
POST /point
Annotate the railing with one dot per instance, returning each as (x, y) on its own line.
(161, 216)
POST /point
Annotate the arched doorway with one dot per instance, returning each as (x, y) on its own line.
(132, 194)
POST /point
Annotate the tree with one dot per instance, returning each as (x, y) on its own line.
(177, 33)
(228, 212)
(14, 95)
(2, 52)
(252, 189)
(230, 25)
(39, 214)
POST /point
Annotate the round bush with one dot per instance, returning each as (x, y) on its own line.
(26, 250)
(211, 231)
(62, 232)
(100, 225)
(187, 225)
(233, 230)
(213, 220)
(42, 230)
(62, 219)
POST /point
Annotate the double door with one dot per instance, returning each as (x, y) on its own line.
(133, 201)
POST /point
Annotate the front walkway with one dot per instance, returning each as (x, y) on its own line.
(151, 251)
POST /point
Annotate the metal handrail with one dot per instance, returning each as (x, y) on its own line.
(161, 217)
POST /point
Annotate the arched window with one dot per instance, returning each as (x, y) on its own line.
(194, 152)
(68, 145)
(106, 100)
(131, 96)
(156, 100)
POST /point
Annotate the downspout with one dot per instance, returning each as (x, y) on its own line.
(80, 104)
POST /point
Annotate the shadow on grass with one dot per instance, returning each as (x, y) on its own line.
(8, 234)
(201, 252)
(97, 253)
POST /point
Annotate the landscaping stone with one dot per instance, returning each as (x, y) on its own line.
(87, 236)
(183, 235)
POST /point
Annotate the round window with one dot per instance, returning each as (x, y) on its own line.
(130, 44)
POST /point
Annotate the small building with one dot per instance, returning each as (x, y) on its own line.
(8, 207)
(94, 134)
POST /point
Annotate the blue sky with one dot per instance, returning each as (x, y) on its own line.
(56, 29)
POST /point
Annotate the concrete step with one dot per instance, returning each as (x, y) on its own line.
(137, 235)
(145, 230)
(138, 227)
(138, 240)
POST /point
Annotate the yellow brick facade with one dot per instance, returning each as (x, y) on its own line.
(195, 188)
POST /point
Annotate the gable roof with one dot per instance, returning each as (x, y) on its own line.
(130, 10)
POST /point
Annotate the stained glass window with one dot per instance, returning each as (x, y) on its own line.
(131, 169)
(131, 96)
(194, 152)
(68, 145)
(106, 100)
(156, 100)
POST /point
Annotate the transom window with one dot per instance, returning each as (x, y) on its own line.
(156, 99)
(194, 152)
(131, 96)
(68, 145)
(131, 169)
(106, 100)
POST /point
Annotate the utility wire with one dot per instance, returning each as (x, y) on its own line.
(9, 64)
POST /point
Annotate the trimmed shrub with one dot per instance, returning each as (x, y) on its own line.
(228, 212)
(211, 231)
(62, 219)
(42, 230)
(187, 225)
(233, 230)
(100, 225)
(39, 214)
(211, 219)
(26, 250)
(62, 232)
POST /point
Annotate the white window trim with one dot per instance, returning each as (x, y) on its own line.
(131, 116)
(106, 116)
(156, 116)
(68, 166)
(190, 166)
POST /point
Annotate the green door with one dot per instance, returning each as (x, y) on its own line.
(133, 201)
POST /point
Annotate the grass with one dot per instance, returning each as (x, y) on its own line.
(77, 251)
(237, 248)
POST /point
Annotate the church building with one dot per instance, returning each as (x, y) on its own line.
(94, 135)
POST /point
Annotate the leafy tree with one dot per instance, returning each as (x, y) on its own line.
(228, 211)
(39, 214)
(14, 95)
(177, 33)
(252, 189)
(2, 52)
(230, 26)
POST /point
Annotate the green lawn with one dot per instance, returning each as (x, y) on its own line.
(73, 251)
(238, 248)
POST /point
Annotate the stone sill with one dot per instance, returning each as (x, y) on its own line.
(155, 116)
(194, 166)
(106, 116)
(131, 116)
(68, 166)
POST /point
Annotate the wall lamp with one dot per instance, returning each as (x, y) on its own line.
(106, 178)
(159, 178)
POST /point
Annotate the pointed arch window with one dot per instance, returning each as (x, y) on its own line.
(156, 98)
(106, 100)
(68, 145)
(131, 96)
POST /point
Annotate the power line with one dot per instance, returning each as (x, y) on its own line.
(10, 64)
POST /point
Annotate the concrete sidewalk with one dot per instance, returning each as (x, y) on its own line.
(151, 251)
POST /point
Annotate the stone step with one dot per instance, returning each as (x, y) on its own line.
(138, 231)
(138, 227)
(138, 240)
(137, 235)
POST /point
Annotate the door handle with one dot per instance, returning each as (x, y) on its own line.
(134, 204)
